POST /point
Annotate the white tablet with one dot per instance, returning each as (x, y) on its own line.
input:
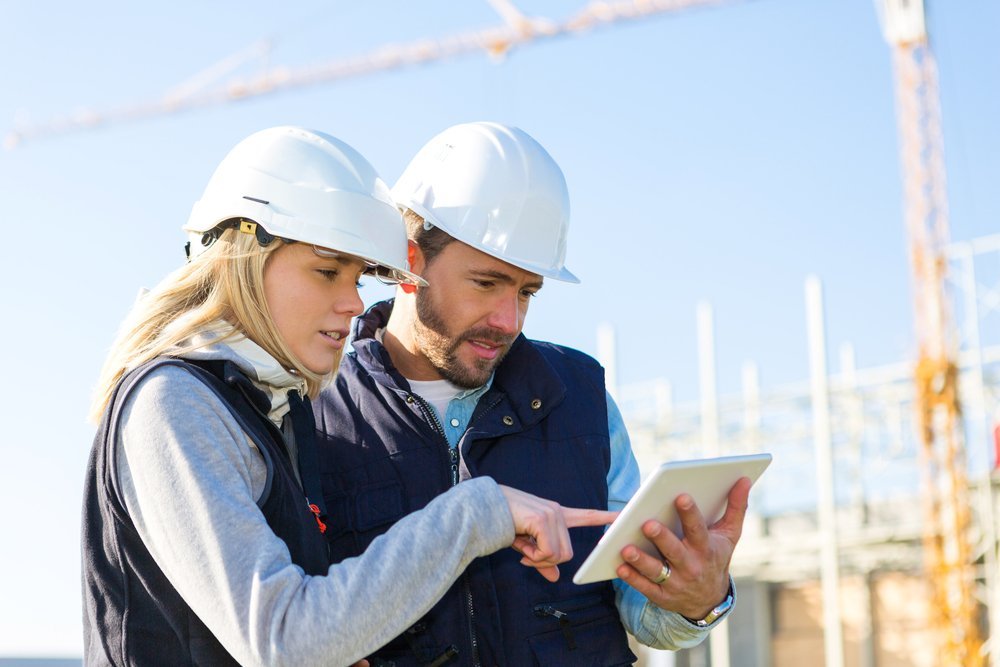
(708, 481)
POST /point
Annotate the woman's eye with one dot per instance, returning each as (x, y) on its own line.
(329, 274)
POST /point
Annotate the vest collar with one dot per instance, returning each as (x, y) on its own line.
(528, 380)
(370, 352)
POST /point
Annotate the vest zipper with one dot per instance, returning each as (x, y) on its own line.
(436, 425)
(453, 457)
(472, 619)
(312, 507)
(465, 576)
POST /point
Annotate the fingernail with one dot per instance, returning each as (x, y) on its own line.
(654, 530)
(632, 555)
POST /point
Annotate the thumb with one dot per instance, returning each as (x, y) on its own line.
(550, 572)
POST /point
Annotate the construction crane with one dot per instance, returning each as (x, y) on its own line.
(947, 547)
(199, 92)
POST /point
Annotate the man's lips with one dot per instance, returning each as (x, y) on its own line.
(485, 349)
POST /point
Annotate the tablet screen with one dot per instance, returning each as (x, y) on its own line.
(708, 481)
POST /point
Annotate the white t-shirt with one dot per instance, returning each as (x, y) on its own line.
(436, 392)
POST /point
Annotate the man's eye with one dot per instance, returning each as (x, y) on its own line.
(329, 274)
(528, 293)
(485, 283)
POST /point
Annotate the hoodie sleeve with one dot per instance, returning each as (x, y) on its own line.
(187, 476)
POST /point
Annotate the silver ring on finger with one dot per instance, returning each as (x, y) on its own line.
(664, 573)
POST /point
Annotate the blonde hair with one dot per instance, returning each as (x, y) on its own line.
(225, 282)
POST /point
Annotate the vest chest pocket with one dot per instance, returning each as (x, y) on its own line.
(599, 643)
(367, 509)
(586, 633)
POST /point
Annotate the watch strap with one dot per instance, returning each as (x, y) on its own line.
(720, 610)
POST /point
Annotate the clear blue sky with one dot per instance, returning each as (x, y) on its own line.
(719, 154)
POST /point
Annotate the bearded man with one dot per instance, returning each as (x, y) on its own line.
(442, 387)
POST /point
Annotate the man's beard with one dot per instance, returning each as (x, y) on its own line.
(441, 347)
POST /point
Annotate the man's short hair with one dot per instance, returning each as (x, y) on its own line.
(430, 241)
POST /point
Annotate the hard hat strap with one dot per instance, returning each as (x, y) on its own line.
(264, 238)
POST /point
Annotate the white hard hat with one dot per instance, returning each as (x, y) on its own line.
(496, 189)
(302, 185)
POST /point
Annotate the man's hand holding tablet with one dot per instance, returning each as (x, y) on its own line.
(673, 541)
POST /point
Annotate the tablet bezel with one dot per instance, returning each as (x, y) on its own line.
(708, 481)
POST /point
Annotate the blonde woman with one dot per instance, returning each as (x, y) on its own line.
(203, 521)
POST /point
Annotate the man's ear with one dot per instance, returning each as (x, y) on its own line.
(415, 259)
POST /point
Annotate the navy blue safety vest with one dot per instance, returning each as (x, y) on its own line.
(542, 427)
(132, 614)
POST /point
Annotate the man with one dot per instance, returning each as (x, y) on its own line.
(442, 387)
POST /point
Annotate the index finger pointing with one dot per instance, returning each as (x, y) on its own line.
(575, 517)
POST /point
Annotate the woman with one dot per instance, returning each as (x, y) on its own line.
(203, 522)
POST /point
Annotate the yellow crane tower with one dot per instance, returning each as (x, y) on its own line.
(954, 611)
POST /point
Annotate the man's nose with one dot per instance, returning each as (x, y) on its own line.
(506, 315)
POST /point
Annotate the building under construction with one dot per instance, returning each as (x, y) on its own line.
(836, 554)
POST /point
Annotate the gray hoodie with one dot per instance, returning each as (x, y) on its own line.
(191, 477)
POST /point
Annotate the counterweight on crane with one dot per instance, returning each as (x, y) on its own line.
(945, 498)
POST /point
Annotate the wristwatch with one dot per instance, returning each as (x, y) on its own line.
(720, 609)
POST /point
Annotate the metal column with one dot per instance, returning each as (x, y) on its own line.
(833, 643)
(718, 640)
